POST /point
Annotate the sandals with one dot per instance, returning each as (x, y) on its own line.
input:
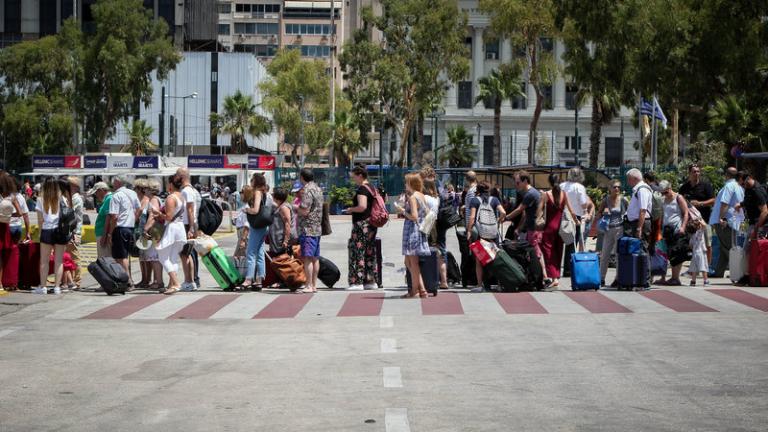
(171, 290)
(307, 291)
(408, 296)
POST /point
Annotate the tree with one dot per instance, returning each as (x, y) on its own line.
(117, 62)
(140, 142)
(298, 87)
(422, 49)
(730, 122)
(460, 152)
(526, 23)
(346, 142)
(501, 84)
(605, 107)
(238, 119)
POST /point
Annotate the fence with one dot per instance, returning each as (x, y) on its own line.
(392, 180)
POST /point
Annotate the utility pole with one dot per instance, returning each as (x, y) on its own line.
(75, 138)
(332, 39)
(162, 123)
(654, 138)
(576, 130)
(301, 113)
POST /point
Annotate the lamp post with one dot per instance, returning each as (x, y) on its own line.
(479, 129)
(576, 130)
(436, 114)
(193, 95)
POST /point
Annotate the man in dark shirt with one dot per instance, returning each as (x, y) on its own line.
(754, 205)
(699, 193)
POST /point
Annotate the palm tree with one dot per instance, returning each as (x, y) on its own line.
(140, 143)
(346, 142)
(729, 121)
(501, 84)
(460, 151)
(605, 107)
(238, 119)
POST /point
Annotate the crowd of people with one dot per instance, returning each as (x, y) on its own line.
(677, 226)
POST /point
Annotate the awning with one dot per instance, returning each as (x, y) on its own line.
(759, 155)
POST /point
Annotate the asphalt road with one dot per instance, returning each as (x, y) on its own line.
(667, 360)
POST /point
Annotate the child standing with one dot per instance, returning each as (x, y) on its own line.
(699, 262)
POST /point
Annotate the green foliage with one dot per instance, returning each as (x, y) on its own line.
(140, 139)
(672, 176)
(341, 195)
(116, 63)
(409, 73)
(297, 86)
(596, 195)
(501, 84)
(239, 118)
(731, 122)
(460, 151)
(346, 141)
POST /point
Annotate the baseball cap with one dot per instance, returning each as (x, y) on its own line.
(98, 186)
(297, 186)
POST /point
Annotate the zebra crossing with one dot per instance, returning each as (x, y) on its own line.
(341, 304)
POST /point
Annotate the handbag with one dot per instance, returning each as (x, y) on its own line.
(326, 221)
(428, 222)
(567, 229)
(264, 217)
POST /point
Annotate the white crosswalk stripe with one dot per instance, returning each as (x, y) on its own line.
(165, 308)
(244, 307)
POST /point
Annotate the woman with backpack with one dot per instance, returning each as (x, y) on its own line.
(552, 205)
(613, 208)
(363, 272)
(51, 239)
(485, 215)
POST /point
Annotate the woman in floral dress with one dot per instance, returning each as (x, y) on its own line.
(414, 241)
(363, 273)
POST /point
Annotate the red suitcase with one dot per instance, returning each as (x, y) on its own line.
(29, 265)
(758, 263)
(10, 264)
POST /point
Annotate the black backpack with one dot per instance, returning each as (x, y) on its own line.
(67, 223)
(210, 216)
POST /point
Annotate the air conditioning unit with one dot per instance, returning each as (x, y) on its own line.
(491, 56)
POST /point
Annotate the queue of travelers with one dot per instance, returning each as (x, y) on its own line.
(678, 226)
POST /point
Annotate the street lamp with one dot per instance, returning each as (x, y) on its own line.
(436, 113)
(193, 95)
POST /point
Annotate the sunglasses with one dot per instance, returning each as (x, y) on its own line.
(616, 187)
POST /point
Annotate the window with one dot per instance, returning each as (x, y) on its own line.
(465, 95)
(519, 102)
(313, 50)
(308, 29)
(492, 50)
(224, 29)
(426, 144)
(489, 102)
(570, 96)
(243, 8)
(257, 50)
(547, 44)
(614, 152)
(488, 150)
(224, 8)
(267, 28)
(569, 143)
(547, 90)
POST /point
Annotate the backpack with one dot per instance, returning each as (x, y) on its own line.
(379, 215)
(209, 217)
(486, 220)
(67, 223)
(657, 204)
(447, 217)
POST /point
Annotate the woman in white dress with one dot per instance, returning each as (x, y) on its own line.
(175, 237)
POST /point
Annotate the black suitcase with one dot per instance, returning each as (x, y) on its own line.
(525, 255)
(110, 275)
(453, 271)
(379, 263)
(468, 274)
(430, 272)
(329, 274)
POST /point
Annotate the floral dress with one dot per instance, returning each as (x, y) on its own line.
(362, 254)
(414, 241)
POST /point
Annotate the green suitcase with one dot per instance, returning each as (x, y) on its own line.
(222, 268)
(508, 272)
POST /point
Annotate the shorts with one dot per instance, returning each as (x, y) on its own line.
(310, 246)
(49, 236)
(122, 242)
(534, 239)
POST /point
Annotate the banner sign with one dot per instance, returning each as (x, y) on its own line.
(72, 162)
(146, 162)
(119, 162)
(95, 162)
(261, 162)
(205, 161)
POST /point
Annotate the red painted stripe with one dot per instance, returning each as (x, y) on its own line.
(596, 302)
(743, 297)
(675, 301)
(205, 307)
(444, 304)
(362, 305)
(519, 303)
(284, 306)
(126, 307)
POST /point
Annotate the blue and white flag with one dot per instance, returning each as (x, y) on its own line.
(648, 108)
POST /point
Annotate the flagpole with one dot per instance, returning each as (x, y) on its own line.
(640, 126)
(654, 137)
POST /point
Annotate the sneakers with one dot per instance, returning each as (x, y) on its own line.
(40, 290)
(188, 287)
(477, 289)
(371, 286)
(706, 283)
(56, 290)
(357, 287)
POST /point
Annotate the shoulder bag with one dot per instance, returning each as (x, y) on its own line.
(264, 217)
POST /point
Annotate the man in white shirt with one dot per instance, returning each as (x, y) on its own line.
(638, 223)
(74, 245)
(189, 261)
(121, 221)
(582, 207)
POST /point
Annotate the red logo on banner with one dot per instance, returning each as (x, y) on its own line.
(72, 162)
(230, 165)
(267, 162)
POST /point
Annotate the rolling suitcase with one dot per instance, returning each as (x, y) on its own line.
(222, 268)
(453, 271)
(110, 275)
(508, 272)
(525, 255)
(29, 265)
(430, 272)
(329, 274)
(629, 246)
(736, 263)
(630, 271)
(758, 263)
(585, 271)
(10, 267)
(379, 263)
(468, 274)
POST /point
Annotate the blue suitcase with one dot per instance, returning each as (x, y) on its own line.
(585, 271)
(630, 271)
(629, 246)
